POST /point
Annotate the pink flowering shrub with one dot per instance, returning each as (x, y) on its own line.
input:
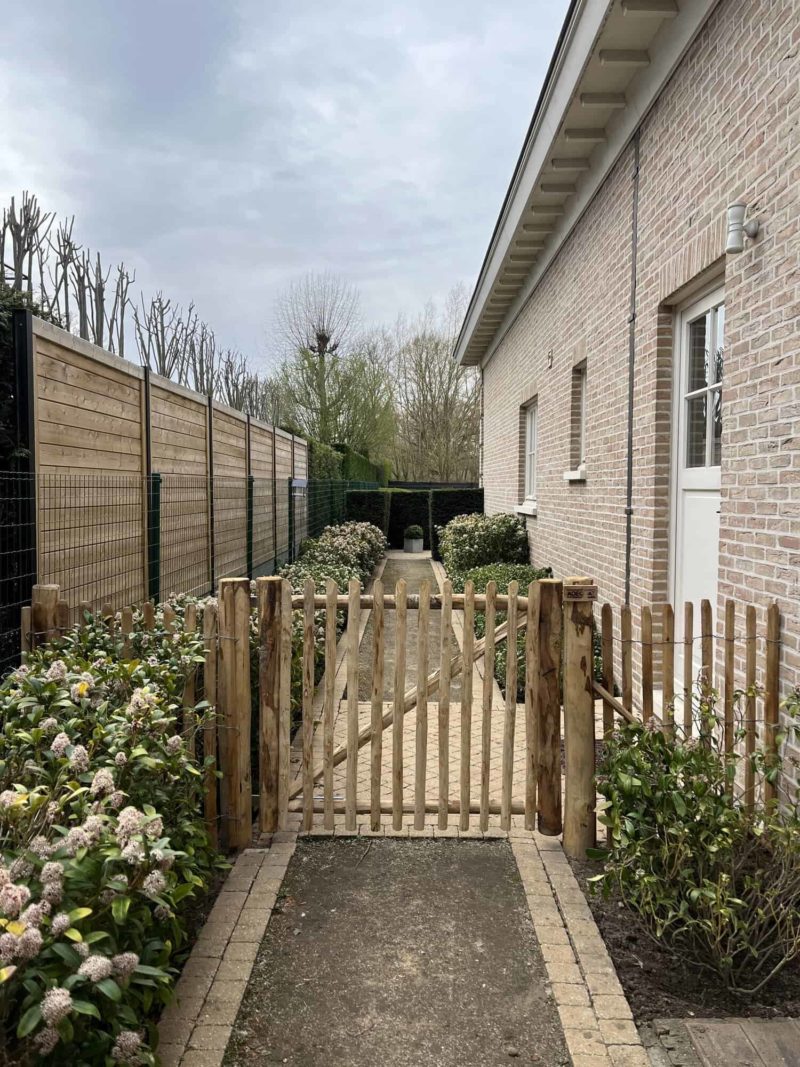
(101, 842)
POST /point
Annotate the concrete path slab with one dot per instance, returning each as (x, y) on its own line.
(399, 953)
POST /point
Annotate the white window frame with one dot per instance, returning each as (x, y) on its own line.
(529, 419)
(577, 473)
(531, 448)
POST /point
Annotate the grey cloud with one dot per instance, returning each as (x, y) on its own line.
(222, 148)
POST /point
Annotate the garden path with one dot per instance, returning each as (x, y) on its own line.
(390, 952)
(416, 568)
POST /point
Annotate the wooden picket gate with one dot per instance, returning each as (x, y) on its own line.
(538, 614)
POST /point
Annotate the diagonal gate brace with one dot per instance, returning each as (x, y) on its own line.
(410, 700)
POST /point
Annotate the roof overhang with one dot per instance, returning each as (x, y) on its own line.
(611, 62)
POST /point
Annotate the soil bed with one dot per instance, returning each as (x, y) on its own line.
(658, 985)
(399, 954)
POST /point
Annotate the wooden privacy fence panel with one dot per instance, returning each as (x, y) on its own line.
(143, 486)
(740, 704)
(375, 786)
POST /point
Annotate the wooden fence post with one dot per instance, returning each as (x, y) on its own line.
(44, 614)
(771, 698)
(189, 687)
(548, 767)
(579, 794)
(532, 710)
(234, 638)
(269, 678)
(210, 729)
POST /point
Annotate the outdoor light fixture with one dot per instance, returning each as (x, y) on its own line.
(738, 228)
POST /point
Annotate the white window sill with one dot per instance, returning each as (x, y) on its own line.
(578, 475)
(527, 507)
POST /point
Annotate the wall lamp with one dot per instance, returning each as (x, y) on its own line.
(738, 229)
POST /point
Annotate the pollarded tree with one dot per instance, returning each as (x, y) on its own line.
(317, 318)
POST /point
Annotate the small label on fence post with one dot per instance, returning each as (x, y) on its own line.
(580, 592)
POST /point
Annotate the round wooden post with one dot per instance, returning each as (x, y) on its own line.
(579, 793)
(269, 628)
(234, 705)
(44, 613)
(548, 755)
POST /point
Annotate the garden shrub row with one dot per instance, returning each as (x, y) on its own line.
(358, 468)
(339, 463)
(503, 574)
(324, 462)
(392, 510)
(103, 844)
(102, 838)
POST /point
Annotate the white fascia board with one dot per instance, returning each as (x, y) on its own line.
(587, 22)
(668, 50)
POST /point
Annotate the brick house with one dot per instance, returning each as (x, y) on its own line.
(641, 385)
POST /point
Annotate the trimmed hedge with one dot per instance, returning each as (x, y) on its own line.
(369, 505)
(503, 574)
(446, 504)
(394, 509)
(409, 508)
(475, 540)
(324, 462)
(358, 468)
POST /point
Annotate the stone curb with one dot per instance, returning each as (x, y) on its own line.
(594, 1011)
(195, 1027)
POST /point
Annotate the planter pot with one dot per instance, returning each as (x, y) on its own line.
(412, 544)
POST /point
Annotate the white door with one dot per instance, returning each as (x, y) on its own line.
(697, 457)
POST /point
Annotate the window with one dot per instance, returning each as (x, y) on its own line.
(703, 389)
(577, 444)
(531, 418)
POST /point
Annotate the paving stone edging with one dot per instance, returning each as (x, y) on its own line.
(195, 1027)
(594, 1011)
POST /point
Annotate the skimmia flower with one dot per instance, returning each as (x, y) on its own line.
(56, 1005)
(95, 968)
(126, 1047)
(60, 744)
(57, 671)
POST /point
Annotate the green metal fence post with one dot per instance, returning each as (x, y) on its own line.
(154, 537)
(250, 485)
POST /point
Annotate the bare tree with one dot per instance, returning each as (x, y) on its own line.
(437, 401)
(319, 312)
(204, 360)
(164, 336)
(318, 315)
(23, 233)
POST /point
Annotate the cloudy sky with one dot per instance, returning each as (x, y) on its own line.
(224, 147)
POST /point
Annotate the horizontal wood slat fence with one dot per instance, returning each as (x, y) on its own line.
(558, 623)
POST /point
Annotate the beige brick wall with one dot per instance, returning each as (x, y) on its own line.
(724, 128)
